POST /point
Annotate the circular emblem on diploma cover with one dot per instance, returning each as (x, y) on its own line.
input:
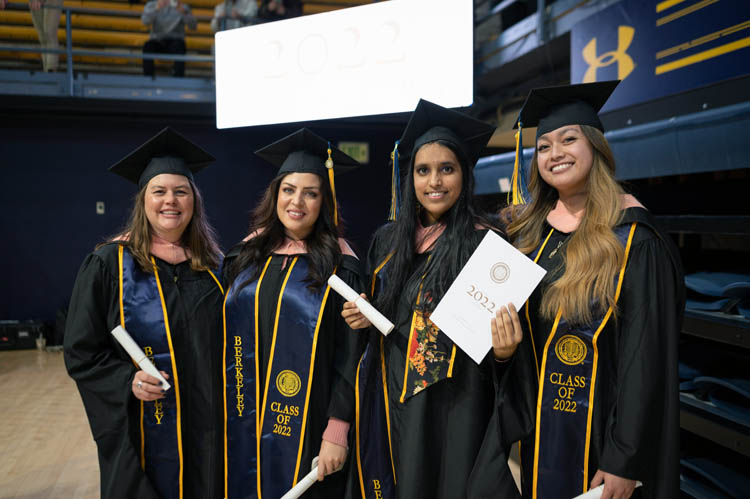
(288, 383)
(570, 350)
(500, 272)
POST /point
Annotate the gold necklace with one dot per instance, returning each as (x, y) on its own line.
(559, 245)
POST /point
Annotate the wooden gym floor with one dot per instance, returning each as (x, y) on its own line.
(46, 447)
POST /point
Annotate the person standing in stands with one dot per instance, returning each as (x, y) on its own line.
(45, 14)
(167, 20)
(232, 14)
(605, 320)
(158, 279)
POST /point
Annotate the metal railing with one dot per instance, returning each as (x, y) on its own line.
(69, 52)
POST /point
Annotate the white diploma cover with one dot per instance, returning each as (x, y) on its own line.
(496, 274)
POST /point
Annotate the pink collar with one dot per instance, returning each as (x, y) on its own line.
(425, 237)
(298, 247)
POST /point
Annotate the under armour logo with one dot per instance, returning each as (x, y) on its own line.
(625, 64)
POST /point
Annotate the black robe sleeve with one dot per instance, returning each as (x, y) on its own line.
(349, 344)
(641, 435)
(104, 375)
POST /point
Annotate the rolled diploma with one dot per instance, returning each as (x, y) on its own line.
(140, 358)
(303, 484)
(376, 318)
(596, 492)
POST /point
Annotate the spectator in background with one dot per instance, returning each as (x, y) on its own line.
(232, 14)
(275, 10)
(45, 14)
(167, 20)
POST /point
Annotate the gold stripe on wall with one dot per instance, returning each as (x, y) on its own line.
(704, 39)
(684, 12)
(667, 4)
(703, 56)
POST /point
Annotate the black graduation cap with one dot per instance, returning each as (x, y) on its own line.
(549, 108)
(430, 122)
(165, 152)
(305, 152)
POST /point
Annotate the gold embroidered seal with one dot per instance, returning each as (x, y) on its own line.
(570, 349)
(288, 383)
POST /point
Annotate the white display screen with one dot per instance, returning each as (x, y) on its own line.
(374, 59)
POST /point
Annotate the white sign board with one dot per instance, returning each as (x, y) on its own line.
(373, 59)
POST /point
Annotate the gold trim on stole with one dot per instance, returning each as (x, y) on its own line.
(593, 373)
(174, 371)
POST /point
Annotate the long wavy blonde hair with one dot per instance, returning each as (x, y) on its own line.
(593, 256)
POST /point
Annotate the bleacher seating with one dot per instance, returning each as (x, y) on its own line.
(120, 31)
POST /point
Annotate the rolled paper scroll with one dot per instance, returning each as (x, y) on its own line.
(371, 313)
(140, 358)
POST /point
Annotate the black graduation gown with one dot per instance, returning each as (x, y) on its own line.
(336, 356)
(451, 439)
(104, 374)
(635, 423)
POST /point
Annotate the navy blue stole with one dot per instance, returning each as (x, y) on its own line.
(377, 477)
(264, 433)
(143, 313)
(565, 403)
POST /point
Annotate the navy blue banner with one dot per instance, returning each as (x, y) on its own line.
(270, 465)
(144, 317)
(661, 47)
(375, 467)
(564, 407)
(240, 410)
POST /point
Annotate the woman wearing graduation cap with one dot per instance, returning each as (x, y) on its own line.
(156, 279)
(289, 356)
(433, 423)
(606, 318)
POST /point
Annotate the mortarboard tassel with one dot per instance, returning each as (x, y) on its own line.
(329, 166)
(517, 181)
(395, 185)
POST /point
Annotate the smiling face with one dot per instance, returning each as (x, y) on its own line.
(169, 205)
(298, 203)
(437, 180)
(564, 158)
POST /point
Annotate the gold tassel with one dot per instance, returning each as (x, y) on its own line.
(516, 193)
(329, 166)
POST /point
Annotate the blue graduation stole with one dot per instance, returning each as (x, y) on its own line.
(377, 477)
(143, 314)
(264, 433)
(565, 403)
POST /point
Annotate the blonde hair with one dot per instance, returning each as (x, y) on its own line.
(594, 254)
(199, 238)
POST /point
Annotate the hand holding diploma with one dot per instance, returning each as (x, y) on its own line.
(306, 482)
(369, 315)
(148, 388)
(506, 332)
(148, 384)
(608, 486)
